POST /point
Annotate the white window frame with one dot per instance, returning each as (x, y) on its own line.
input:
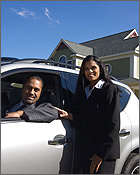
(61, 57)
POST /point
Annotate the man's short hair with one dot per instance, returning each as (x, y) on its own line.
(34, 77)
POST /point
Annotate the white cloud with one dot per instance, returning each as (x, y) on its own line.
(57, 22)
(14, 10)
(23, 12)
(27, 13)
(47, 13)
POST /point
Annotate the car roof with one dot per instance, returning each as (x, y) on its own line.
(18, 65)
(39, 64)
(121, 84)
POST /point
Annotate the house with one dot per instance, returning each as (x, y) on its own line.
(119, 51)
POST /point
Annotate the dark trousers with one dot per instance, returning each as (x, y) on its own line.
(106, 167)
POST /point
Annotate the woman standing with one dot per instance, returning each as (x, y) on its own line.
(97, 117)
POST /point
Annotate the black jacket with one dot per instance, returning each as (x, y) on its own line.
(99, 122)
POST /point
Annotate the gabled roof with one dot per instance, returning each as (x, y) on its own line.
(121, 35)
(74, 47)
(113, 44)
(78, 48)
(110, 45)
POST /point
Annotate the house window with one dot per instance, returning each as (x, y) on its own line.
(108, 68)
(69, 62)
(63, 59)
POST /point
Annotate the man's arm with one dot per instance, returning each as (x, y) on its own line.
(16, 114)
(43, 113)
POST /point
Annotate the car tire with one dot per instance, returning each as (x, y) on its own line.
(131, 165)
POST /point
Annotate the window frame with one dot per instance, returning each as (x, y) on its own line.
(44, 72)
(62, 56)
(125, 91)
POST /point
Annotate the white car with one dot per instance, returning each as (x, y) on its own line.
(48, 148)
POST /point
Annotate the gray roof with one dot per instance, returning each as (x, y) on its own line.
(105, 46)
(113, 44)
(79, 48)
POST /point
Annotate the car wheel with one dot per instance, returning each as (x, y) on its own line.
(131, 165)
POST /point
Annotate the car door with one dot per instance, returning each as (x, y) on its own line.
(25, 147)
(125, 130)
(32, 147)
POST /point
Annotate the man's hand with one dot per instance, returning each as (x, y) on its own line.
(16, 114)
(95, 164)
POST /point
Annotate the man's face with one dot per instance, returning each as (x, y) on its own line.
(31, 91)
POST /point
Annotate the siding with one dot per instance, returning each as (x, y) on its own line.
(79, 62)
(138, 67)
(67, 52)
(120, 67)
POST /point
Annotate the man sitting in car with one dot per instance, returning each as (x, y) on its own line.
(27, 108)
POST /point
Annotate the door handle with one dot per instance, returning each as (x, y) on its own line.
(124, 133)
(59, 140)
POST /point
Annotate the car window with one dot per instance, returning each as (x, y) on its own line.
(71, 81)
(10, 94)
(124, 97)
(11, 89)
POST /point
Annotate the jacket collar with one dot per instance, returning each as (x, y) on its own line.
(98, 85)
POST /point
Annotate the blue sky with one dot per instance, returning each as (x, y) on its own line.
(32, 29)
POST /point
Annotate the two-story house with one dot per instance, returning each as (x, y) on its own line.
(120, 51)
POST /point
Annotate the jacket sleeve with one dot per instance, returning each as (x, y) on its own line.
(112, 113)
(42, 113)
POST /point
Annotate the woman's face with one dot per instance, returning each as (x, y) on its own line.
(92, 71)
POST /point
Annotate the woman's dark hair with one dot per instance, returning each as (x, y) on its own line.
(82, 81)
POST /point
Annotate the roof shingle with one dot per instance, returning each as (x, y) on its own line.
(79, 48)
(113, 44)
